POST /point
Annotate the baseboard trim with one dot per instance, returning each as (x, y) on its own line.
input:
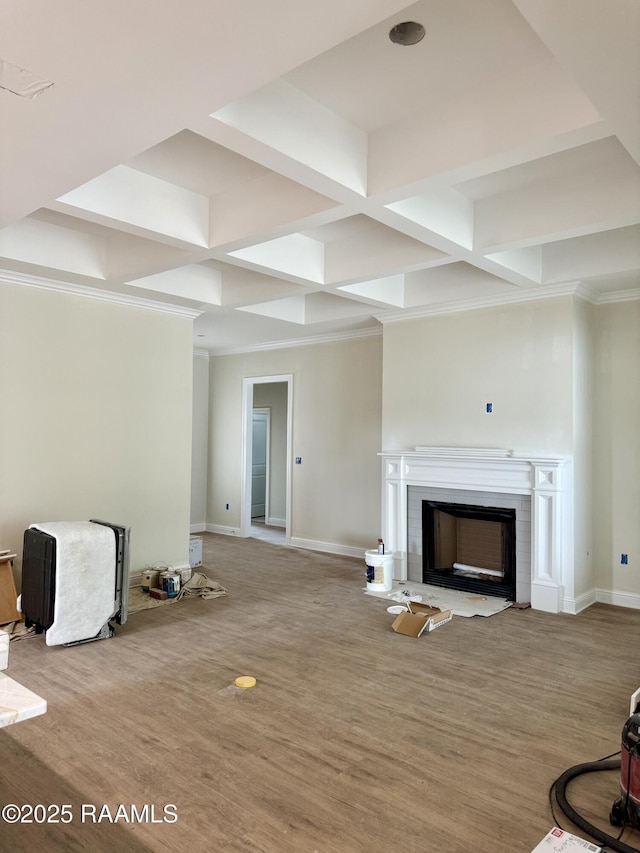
(577, 605)
(276, 522)
(327, 547)
(198, 528)
(619, 599)
(135, 578)
(223, 529)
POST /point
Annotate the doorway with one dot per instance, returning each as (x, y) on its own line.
(267, 407)
(260, 461)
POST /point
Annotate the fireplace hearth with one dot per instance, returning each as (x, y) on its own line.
(469, 547)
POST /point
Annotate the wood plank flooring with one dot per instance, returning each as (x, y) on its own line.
(354, 739)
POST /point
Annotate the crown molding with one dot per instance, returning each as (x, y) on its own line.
(533, 294)
(619, 296)
(302, 342)
(203, 353)
(23, 280)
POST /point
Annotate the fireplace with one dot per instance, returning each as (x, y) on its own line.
(469, 547)
(539, 489)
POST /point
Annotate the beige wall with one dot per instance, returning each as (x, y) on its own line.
(336, 431)
(200, 441)
(440, 372)
(617, 447)
(563, 379)
(583, 402)
(97, 419)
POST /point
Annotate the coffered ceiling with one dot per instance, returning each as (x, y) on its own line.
(286, 172)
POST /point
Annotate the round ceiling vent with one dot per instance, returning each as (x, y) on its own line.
(407, 33)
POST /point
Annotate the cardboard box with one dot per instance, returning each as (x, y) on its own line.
(559, 841)
(420, 618)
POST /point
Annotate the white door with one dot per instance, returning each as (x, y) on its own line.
(259, 463)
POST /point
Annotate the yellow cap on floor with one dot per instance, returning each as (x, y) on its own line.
(245, 681)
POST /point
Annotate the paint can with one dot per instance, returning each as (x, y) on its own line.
(379, 571)
(170, 583)
(185, 575)
(149, 579)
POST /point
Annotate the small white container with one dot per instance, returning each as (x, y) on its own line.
(382, 571)
(195, 551)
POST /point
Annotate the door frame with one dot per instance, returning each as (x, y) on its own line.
(263, 410)
(247, 436)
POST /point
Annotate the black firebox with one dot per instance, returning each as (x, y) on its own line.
(471, 548)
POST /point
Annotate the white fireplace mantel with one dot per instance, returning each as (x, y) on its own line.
(547, 480)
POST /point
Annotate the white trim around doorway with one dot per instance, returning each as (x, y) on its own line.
(248, 384)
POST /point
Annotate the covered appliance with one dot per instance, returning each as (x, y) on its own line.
(75, 579)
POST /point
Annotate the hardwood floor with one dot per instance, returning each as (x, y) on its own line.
(354, 739)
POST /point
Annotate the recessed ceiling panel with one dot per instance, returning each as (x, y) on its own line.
(242, 286)
(311, 308)
(295, 255)
(286, 119)
(361, 247)
(592, 188)
(262, 205)
(42, 244)
(194, 163)
(372, 82)
(135, 198)
(389, 290)
(452, 283)
(445, 211)
(612, 252)
(193, 281)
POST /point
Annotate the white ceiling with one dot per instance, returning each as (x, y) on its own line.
(285, 172)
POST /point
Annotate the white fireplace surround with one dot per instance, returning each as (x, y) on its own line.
(548, 481)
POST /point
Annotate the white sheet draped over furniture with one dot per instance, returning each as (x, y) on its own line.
(85, 579)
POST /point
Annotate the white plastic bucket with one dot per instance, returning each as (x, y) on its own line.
(382, 565)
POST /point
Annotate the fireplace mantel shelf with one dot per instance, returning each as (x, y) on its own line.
(474, 453)
(547, 480)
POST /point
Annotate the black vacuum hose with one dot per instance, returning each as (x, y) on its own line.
(560, 786)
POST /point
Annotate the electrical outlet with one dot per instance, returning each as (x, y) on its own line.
(298, 460)
(226, 506)
(624, 559)
(489, 408)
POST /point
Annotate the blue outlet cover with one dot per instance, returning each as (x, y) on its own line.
(489, 407)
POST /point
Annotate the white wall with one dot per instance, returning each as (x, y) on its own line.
(617, 451)
(336, 432)
(96, 419)
(200, 441)
(273, 395)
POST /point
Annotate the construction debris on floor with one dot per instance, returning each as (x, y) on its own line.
(198, 585)
(418, 618)
(458, 602)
